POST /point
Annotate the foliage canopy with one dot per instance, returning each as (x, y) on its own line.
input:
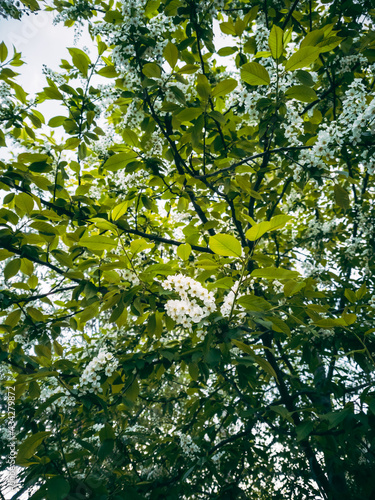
(188, 301)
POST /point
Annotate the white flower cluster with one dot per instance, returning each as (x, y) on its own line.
(90, 378)
(216, 458)
(278, 287)
(210, 7)
(153, 472)
(123, 182)
(53, 75)
(81, 8)
(372, 302)
(326, 333)
(312, 268)
(293, 123)
(262, 33)
(134, 114)
(227, 306)
(8, 9)
(155, 146)
(5, 94)
(61, 402)
(357, 110)
(97, 427)
(347, 63)
(317, 227)
(249, 101)
(124, 36)
(129, 276)
(187, 310)
(108, 95)
(189, 448)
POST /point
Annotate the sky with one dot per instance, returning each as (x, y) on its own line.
(40, 42)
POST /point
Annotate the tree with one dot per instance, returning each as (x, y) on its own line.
(188, 253)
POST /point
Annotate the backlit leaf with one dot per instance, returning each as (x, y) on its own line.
(274, 273)
(275, 41)
(302, 58)
(255, 74)
(225, 244)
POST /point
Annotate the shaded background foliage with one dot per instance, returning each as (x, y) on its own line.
(247, 169)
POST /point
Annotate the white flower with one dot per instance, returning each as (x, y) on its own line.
(186, 311)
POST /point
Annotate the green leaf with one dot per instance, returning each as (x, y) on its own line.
(301, 93)
(130, 138)
(350, 295)
(292, 287)
(302, 58)
(119, 210)
(224, 87)
(12, 268)
(283, 412)
(98, 243)
(24, 202)
(274, 273)
(329, 43)
(361, 292)
(52, 93)
(349, 318)
(58, 348)
(305, 78)
(266, 366)
(32, 157)
(312, 38)
(151, 70)
(160, 269)
(341, 197)
(194, 371)
(336, 417)
(80, 60)
(101, 223)
(108, 72)
(184, 251)
(139, 245)
(226, 245)
(188, 472)
(275, 41)
(189, 114)
(255, 74)
(278, 325)
(255, 232)
(203, 87)
(227, 51)
(213, 357)
(133, 391)
(119, 160)
(254, 303)
(3, 52)
(188, 69)
(330, 322)
(106, 449)
(20, 93)
(277, 222)
(304, 429)
(106, 432)
(228, 28)
(28, 447)
(171, 54)
(244, 347)
(57, 121)
(58, 488)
